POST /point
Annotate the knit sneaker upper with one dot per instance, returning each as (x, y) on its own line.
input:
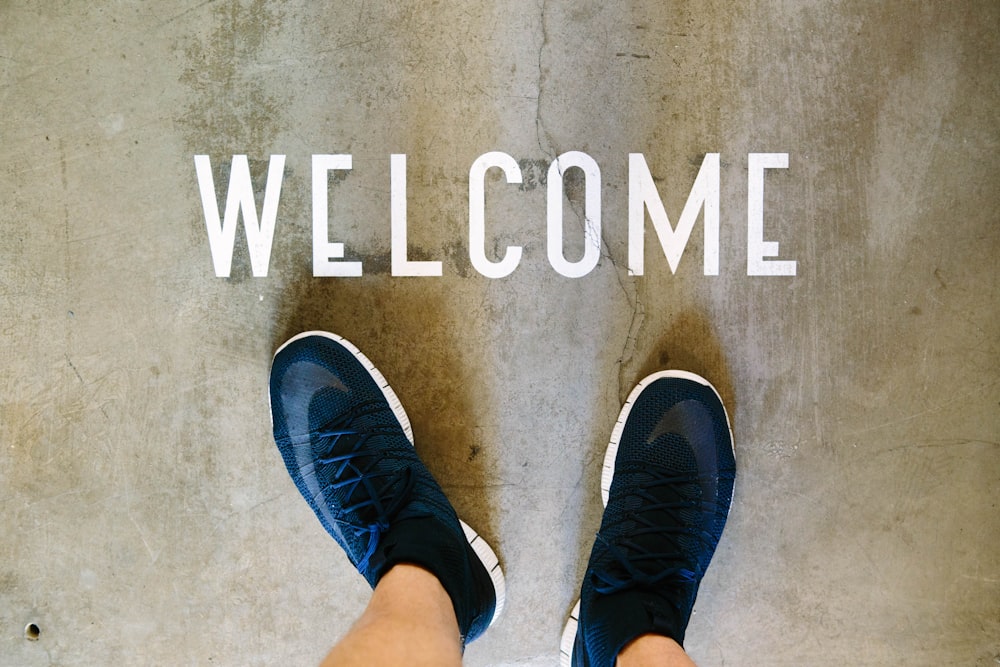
(673, 473)
(347, 444)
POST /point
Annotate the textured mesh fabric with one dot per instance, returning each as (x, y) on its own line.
(349, 455)
(667, 506)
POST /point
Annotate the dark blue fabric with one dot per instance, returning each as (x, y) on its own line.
(667, 506)
(349, 456)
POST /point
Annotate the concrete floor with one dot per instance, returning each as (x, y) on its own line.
(146, 516)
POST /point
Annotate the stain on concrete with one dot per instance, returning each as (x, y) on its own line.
(534, 173)
(229, 105)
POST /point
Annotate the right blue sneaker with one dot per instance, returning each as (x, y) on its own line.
(667, 486)
(348, 445)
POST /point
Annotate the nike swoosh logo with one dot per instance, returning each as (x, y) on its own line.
(303, 380)
(692, 421)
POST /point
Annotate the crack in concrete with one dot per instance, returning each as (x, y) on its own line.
(539, 125)
(631, 343)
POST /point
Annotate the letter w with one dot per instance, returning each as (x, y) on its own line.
(222, 236)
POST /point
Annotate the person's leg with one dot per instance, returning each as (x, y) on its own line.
(653, 651)
(409, 621)
(348, 446)
(667, 487)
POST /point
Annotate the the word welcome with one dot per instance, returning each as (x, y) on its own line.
(328, 257)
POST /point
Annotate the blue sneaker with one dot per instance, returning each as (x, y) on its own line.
(348, 445)
(667, 485)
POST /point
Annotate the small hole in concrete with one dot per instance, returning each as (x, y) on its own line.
(32, 632)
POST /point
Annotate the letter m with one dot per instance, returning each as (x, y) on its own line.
(222, 236)
(642, 196)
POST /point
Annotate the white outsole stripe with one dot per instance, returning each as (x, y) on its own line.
(492, 564)
(569, 637)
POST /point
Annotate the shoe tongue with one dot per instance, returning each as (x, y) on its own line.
(668, 456)
(668, 549)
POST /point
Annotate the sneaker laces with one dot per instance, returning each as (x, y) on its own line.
(635, 564)
(355, 477)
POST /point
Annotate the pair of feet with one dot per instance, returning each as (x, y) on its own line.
(667, 485)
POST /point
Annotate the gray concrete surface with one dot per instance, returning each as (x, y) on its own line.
(146, 516)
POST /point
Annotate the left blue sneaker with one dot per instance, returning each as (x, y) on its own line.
(348, 445)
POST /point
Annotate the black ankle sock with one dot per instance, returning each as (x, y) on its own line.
(428, 543)
(612, 621)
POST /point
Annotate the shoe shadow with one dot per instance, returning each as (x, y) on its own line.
(403, 328)
(690, 344)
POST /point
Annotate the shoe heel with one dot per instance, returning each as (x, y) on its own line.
(492, 564)
(569, 637)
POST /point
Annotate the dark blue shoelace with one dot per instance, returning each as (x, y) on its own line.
(376, 495)
(634, 565)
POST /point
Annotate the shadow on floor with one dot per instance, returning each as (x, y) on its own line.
(401, 327)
